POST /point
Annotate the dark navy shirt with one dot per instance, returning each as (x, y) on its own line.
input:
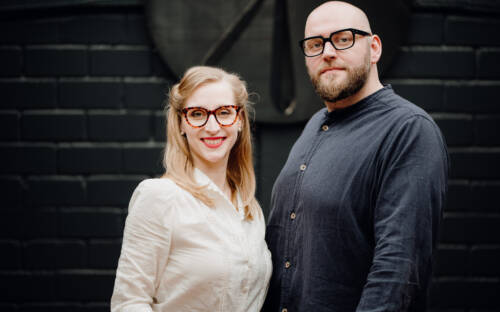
(356, 210)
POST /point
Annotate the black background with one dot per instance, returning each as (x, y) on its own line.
(81, 123)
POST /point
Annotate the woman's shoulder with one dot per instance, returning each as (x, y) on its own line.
(156, 185)
(154, 194)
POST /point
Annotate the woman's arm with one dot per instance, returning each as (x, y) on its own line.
(145, 250)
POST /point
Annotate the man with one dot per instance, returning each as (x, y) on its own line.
(357, 206)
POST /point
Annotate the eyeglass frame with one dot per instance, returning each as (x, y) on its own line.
(329, 39)
(185, 111)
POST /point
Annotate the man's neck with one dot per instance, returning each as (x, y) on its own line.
(371, 86)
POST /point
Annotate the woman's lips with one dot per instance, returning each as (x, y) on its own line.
(213, 142)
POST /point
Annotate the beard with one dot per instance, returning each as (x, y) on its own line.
(332, 92)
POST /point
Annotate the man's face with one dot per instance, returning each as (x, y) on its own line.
(337, 74)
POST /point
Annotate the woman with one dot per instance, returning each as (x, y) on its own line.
(194, 239)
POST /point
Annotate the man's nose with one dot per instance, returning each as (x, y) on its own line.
(329, 50)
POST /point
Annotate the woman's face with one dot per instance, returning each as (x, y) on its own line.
(210, 144)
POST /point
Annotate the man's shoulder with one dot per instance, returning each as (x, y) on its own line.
(402, 107)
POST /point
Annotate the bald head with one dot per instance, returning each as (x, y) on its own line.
(342, 14)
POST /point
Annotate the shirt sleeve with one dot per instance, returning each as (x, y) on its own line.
(412, 185)
(145, 250)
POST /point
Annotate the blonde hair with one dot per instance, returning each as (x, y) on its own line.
(178, 160)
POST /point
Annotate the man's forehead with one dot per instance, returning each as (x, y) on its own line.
(330, 18)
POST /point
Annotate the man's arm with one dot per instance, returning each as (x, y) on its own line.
(411, 193)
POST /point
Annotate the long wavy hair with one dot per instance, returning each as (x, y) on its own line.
(178, 160)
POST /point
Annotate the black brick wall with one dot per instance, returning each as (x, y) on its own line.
(81, 123)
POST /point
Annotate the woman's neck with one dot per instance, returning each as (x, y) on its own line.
(218, 175)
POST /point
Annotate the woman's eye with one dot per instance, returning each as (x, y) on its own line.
(197, 113)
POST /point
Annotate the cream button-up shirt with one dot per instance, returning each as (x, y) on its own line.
(181, 255)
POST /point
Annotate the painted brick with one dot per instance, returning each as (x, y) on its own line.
(119, 127)
(472, 31)
(448, 293)
(40, 224)
(8, 307)
(136, 31)
(475, 164)
(160, 69)
(104, 254)
(483, 261)
(50, 307)
(56, 61)
(91, 223)
(430, 97)
(28, 159)
(24, 286)
(9, 126)
(488, 65)
(145, 95)
(10, 62)
(425, 29)
(143, 160)
(96, 307)
(120, 62)
(12, 191)
(111, 190)
(108, 29)
(90, 159)
(483, 294)
(12, 224)
(471, 229)
(50, 126)
(459, 196)
(28, 94)
(484, 196)
(472, 98)
(458, 131)
(50, 254)
(12, 255)
(90, 94)
(487, 130)
(433, 63)
(31, 32)
(56, 190)
(97, 285)
(160, 131)
(451, 260)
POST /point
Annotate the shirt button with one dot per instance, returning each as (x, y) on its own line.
(284, 310)
(324, 127)
(303, 167)
(292, 216)
(287, 264)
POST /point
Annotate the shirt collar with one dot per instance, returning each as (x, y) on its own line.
(349, 110)
(202, 179)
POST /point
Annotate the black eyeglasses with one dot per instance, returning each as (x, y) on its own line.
(197, 117)
(340, 40)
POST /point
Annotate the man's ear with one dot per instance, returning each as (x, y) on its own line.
(376, 49)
